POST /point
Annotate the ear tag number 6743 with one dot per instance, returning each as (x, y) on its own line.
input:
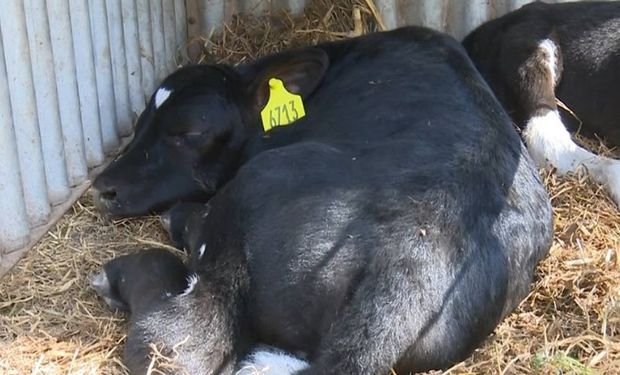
(283, 107)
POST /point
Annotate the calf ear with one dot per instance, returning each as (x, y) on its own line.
(300, 71)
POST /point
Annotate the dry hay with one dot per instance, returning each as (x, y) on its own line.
(51, 322)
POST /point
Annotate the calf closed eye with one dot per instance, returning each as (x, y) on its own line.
(189, 137)
(194, 133)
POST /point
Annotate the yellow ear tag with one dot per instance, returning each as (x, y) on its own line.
(283, 107)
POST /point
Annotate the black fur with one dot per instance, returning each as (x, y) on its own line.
(137, 281)
(394, 226)
(141, 283)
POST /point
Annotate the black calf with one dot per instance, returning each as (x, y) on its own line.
(571, 51)
(391, 227)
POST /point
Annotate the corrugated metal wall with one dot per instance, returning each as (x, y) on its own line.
(456, 17)
(73, 76)
(75, 73)
(205, 16)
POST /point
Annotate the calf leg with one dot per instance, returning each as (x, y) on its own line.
(199, 330)
(548, 141)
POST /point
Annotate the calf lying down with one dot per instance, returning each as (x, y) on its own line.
(569, 51)
(393, 227)
(171, 304)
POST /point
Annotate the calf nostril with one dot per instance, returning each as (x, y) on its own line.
(107, 195)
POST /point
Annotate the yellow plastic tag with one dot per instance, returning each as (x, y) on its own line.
(283, 107)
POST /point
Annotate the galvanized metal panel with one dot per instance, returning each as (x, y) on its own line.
(87, 86)
(180, 23)
(103, 73)
(14, 230)
(208, 16)
(212, 15)
(132, 54)
(23, 108)
(456, 17)
(47, 102)
(73, 76)
(146, 48)
(169, 34)
(119, 67)
(159, 48)
(66, 85)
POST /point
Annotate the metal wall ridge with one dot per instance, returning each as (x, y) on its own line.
(455, 17)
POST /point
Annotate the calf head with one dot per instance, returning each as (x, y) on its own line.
(132, 282)
(189, 140)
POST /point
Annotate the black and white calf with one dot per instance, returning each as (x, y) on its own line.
(570, 51)
(392, 227)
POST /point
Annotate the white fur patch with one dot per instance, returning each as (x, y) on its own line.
(192, 280)
(201, 250)
(549, 143)
(161, 95)
(100, 281)
(551, 60)
(271, 362)
(165, 220)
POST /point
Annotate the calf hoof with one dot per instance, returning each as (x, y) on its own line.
(166, 218)
(175, 219)
(102, 287)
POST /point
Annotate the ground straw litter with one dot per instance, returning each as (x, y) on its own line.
(51, 322)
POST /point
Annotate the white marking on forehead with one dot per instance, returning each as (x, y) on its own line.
(192, 280)
(201, 250)
(161, 95)
(550, 50)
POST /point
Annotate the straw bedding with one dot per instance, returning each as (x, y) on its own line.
(51, 322)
